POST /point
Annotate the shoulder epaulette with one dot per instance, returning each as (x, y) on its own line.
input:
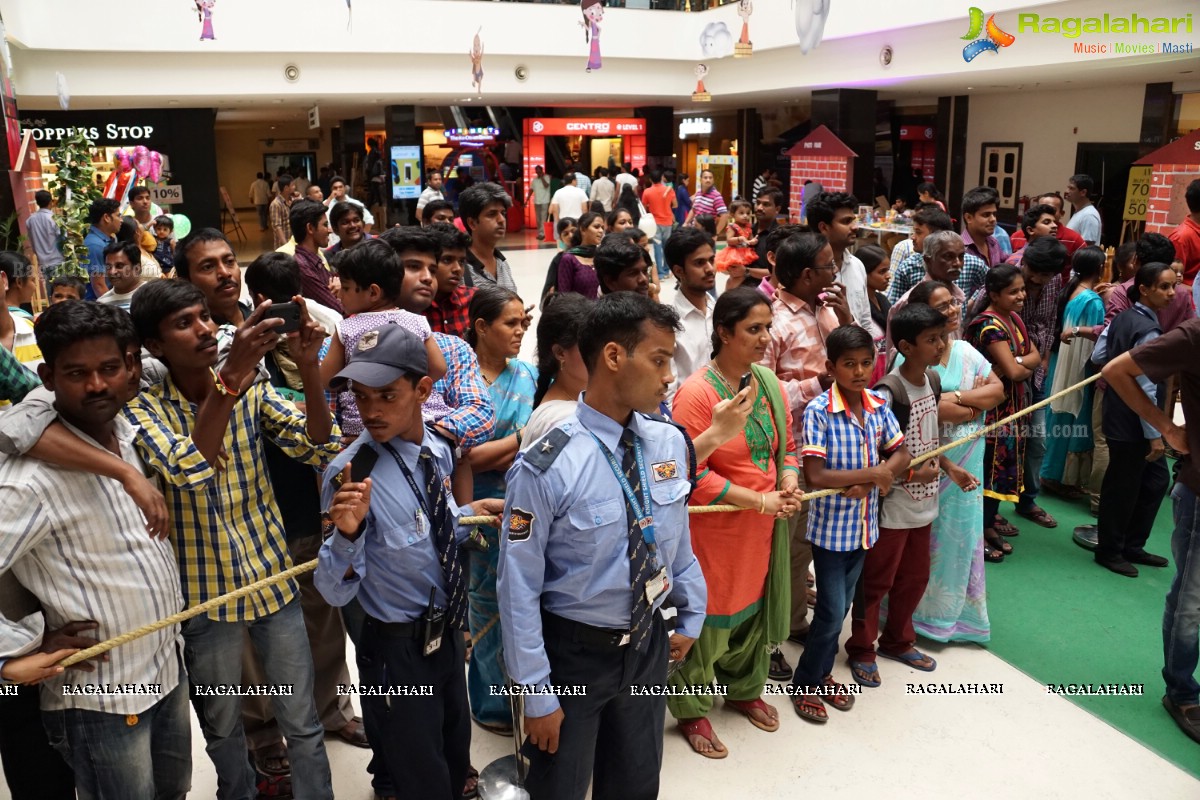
(543, 452)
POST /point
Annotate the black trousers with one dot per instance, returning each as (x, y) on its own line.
(32, 768)
(1132, 490)
(609, 737)
(424, 741)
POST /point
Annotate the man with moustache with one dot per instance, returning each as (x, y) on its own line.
(690, 254)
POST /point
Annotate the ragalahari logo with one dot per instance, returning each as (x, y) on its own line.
(994, 40)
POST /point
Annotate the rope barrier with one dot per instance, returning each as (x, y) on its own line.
(309, 566)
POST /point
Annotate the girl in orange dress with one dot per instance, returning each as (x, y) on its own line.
(740, 242)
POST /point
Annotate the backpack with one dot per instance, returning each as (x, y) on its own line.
(900, 404)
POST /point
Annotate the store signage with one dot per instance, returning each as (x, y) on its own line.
(587, 127)
(166, 195)
(910, 133)
(314, 118)
(471, 136)
(110, 133)
(695, 126)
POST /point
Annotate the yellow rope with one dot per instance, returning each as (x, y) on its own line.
(300, 569)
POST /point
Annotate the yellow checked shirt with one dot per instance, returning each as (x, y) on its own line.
(225, 524)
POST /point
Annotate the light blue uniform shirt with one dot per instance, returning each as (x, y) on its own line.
(572, 558)
(395, 559)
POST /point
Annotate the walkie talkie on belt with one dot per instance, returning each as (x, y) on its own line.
(435, 625)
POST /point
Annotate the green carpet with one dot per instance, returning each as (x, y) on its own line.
(1060, 618)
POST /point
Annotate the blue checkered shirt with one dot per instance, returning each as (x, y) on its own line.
(911, 271)
(833, 433)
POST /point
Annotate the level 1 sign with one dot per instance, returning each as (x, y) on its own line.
(166, 195)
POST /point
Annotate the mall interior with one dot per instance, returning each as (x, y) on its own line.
(869, 98)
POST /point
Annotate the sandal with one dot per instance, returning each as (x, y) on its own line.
(865, 673)
(703, 728)
(276, 786)
(838, 694)
(1004, 527)
(471, 787)
(272, 761)
(811, 708)
(996, 543)
(911, 658)
(757, 704)
(1039, 516)
(1063, 490)
(992, 555)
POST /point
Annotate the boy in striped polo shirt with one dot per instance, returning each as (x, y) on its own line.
(847, 429)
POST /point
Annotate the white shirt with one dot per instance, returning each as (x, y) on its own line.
(853, 275)
(571, 200)
(427, 195)
(121, 301)
(545, 417)
(1086, 222)
(604, 191)
(693, 345)
(626, 179)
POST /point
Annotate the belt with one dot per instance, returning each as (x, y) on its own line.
(399, 630)
(583, 633)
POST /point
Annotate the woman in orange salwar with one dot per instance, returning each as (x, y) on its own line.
(744, 555)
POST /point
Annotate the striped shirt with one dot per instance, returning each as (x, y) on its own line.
(78, 542)
(225, 523)
(709, 202)
(912, 271)
(796, 352)
(832, 432)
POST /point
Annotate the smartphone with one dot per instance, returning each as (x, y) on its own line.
(744, 382)
(288, 312)
(362, 464)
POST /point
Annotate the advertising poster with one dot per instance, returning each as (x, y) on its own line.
(406, 173)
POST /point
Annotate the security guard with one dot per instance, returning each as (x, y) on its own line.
(396, 549)
(594, 540)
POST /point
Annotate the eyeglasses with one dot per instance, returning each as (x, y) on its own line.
(944, 308)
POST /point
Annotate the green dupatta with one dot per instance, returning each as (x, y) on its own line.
(778, 595)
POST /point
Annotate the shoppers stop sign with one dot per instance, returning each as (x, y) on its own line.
(586, 127)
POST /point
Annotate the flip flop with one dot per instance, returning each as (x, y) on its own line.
(1004, 527)
(757, 704)
(276, 753)
(911, 658)
(811, 708)
(865, 673)
(471, 790)
(1039, 516)
(703, 728)
(837, 694)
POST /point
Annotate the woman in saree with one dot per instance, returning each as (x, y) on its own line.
(954, 607)
(744, 555)
(1068, 461)
(497, 328)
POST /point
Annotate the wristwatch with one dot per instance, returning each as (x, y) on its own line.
(1020, 361)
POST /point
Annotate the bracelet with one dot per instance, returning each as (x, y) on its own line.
(762, 503)
(220, 386)
(910, 475)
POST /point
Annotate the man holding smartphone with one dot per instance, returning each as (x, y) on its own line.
(395, 549)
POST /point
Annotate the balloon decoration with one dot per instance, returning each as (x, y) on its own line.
(810, 22)
(130, 167)
(141, 160)
(183, 226)
(155, 166)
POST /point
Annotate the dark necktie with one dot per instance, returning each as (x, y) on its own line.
(447, 546)
(640, 567)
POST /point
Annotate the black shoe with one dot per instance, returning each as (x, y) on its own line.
(1086, 536)
(780, 669)
(1188, 721)
(800, 638)
(1117, 564)
(1146, 559)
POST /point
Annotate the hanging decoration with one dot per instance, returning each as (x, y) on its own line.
(64, 96)
(744, 47)
(810, 22)
(477, 63)
(130, 167)
(701, 94)
(349, 16)
(204, 12)
(716, 41)
(593, 13)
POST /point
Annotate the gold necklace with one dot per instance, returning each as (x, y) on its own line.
(717, 371)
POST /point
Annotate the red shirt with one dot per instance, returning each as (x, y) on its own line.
(1186, 239)
(452, 315)
(1070, 238)
(657, 200)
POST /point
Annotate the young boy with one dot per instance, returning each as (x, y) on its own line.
(164, 250)
(449, 312)
(66, 287)
(395, 549)
(897, 567)
(846, 428)
(620, 266)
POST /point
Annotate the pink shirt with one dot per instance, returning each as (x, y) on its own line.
(796, 352)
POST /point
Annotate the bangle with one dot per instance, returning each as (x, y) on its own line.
(762, 503)
(910, 475)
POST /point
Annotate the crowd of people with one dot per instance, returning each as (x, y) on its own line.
(170, 442)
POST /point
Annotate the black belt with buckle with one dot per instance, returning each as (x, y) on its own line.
(398, 630)
(583, 633)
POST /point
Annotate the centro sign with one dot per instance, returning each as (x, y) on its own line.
(588, 127)
(111, 132)
(566, 126)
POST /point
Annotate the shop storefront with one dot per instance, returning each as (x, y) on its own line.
(184, 137)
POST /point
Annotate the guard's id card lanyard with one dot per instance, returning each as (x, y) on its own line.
(434, 618)
(659, 583)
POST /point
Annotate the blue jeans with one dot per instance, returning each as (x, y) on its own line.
(837, 575)
(1035, 451)
(1181, 620)
(660, 258)
(212, 651)
(150, 759)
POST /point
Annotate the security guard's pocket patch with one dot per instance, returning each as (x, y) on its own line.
(665, 470)
(520, 523)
